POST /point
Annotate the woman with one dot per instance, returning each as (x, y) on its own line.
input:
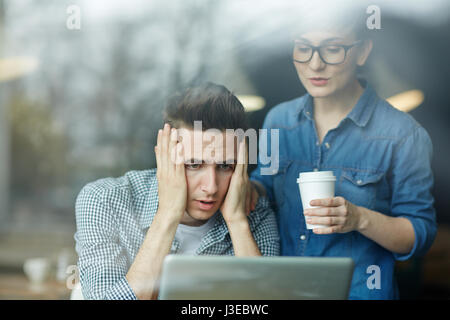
(383, 209)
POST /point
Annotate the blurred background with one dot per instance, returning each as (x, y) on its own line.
(83, 84)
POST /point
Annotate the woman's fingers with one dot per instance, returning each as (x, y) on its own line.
(328, 202)
(328, 230)
(326, 221)
(326, 211)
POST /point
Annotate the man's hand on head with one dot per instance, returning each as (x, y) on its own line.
(172, 186)
(234, 207)
(172, 194)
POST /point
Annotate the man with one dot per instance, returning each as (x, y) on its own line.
(194, 203)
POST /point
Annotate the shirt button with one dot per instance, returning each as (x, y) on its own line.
(327, 145)
(308, 113)
(302, 237)
(359, 182)
(317, 143)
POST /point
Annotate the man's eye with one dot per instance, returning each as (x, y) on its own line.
(192, 166)
(225, 167)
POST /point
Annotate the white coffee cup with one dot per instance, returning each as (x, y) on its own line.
(315, 185)
(36, 269)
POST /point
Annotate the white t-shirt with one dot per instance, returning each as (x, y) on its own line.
(190, 237)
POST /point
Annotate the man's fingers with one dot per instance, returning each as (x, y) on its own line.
(158, 149)
(241, 163)
(172, 146)
(165, 143)
(157, 157)
(179, 160)
(179, 167)
(158, 139)
(245, 150)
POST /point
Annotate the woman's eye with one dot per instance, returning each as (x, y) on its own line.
(333, 49)
(303, 49)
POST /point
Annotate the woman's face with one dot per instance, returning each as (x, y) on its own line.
(325, 80)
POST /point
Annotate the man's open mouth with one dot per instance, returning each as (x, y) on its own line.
(206, 201)
(206, 204)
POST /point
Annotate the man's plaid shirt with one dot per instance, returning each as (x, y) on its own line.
(113, 216)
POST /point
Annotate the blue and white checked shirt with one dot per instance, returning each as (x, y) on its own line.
(113, 216)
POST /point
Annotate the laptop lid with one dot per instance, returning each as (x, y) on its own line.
(255, 278)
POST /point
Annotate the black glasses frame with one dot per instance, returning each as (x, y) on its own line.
(317, 48)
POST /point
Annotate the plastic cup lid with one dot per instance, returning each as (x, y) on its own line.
(316, 176)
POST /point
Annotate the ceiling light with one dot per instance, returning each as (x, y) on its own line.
(16, 67)
(252, 103)
(407, 101)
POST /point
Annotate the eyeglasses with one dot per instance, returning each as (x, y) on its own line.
(330, 53)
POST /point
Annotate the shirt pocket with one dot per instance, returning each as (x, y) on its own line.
(359, 187)
(279, 181)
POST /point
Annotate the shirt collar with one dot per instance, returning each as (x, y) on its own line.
(306, 108)
(361, 112)
(216, 234)
(363, 109)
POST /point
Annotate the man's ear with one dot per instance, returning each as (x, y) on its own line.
(364, 52)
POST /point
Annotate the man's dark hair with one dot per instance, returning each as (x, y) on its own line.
(210, 103)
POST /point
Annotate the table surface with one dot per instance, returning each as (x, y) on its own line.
(17, 287)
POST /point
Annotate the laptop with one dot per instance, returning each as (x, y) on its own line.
(255, 278)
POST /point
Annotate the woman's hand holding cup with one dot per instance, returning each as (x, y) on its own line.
(336, 215)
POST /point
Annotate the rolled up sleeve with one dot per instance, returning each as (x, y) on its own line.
(102, 262)
(412, 183)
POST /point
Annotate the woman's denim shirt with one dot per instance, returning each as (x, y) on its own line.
(381, 159)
